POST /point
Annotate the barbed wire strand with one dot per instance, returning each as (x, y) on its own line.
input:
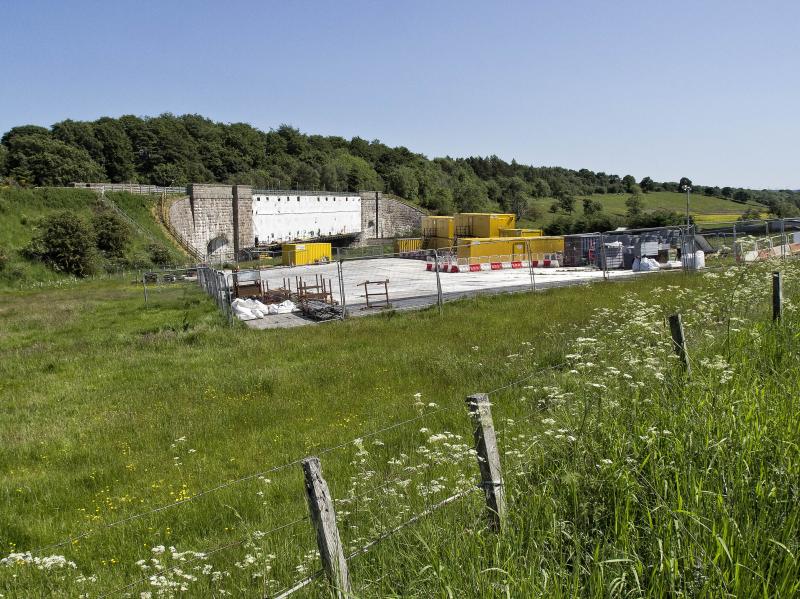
(381, 537)
(527, 377)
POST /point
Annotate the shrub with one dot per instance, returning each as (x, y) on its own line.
(65, 243)
(3, 258)
(112, 235)
(159, 255)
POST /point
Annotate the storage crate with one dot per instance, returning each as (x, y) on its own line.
(483, 225)
(296, 254)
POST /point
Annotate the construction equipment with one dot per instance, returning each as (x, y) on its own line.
(384, 294)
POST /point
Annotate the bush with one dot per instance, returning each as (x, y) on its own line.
(657, 218)
(139, 261)
(112, 235)
(159, 255)
(3, 259)
(65, 243)
(561, 225)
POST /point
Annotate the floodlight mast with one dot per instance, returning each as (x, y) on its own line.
(687, 189)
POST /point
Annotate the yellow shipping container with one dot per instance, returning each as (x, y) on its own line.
(437, 243)
(409, 244)
(483, 224)
(296, 254)
(553, 244)
(478, 250)
(521, 232)
(438, 226)
(504, 249)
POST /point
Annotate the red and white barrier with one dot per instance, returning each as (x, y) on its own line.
(487, 266)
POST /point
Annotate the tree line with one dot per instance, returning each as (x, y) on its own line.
(175, 150)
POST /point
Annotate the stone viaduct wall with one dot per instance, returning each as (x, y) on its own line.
(217, 220)
(386, 217)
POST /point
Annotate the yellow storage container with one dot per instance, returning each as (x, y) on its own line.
(437, 243)
(297, 254)
(483, 224)
(547, 245)
(410, 244)
(480, 250)
(521, 232)
(474, 250)
(438, 226)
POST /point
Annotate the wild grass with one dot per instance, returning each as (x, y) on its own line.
(22, 209)
(623, 477)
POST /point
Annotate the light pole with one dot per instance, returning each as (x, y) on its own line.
(688, 189)
(685, 248)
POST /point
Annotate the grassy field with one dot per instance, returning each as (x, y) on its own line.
(622, 477)
(22, 209)
(721, 209)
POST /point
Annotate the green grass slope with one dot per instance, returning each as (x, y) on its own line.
(622, 477)
(22, 209)
(656, 200)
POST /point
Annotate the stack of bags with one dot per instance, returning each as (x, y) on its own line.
(250, 309)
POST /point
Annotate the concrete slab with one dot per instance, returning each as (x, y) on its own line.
(412, 286)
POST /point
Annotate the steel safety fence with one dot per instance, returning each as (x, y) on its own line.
(390, 281)
(366, 284)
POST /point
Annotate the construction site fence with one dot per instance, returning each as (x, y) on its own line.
(353, 285)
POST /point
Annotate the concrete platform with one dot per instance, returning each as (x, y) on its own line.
(412, 286)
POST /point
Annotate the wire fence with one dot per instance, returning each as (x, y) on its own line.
(384, 485)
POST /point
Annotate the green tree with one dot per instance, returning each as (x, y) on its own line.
(306, 176)
(566, 202)
(112, 235)
(592, 207)
(329, 177)
(634, 205)
(116, 150)
(727, 192)
(684, 183)
(628, 182)
(23, 131)
(65, 243)
(518, 198)
(647, 184)
(402, 180)
(469, 196)
(42, 160)
(79, 134)
(541, 189)
(741, 195)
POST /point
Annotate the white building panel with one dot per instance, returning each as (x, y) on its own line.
(285, 216)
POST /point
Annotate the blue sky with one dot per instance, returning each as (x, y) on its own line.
(708, 90)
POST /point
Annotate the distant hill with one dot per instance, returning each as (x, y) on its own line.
(175, 150)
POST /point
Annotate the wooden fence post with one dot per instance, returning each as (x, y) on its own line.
(323, 518)
(488, 459)
(679, 341)
(777, 295)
